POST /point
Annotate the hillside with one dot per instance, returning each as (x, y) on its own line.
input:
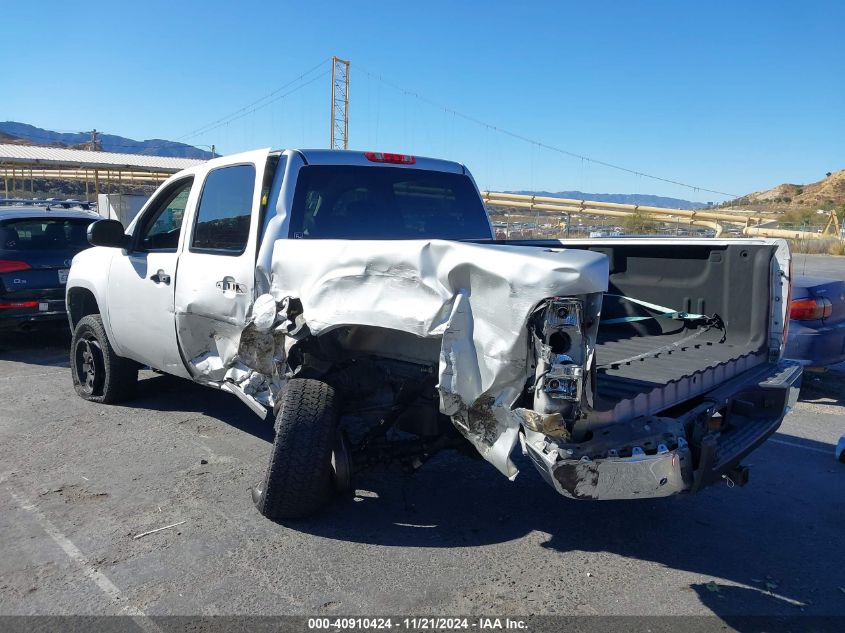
(828, 193)
(621, 198)
(25, 134)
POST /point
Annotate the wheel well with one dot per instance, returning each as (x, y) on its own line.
(81, 303)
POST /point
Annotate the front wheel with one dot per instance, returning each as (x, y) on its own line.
(299, 478)
(99, 374)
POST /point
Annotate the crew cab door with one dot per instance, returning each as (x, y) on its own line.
(142, 280)
(216, 282)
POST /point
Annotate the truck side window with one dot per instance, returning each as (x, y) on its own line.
(162, 223)
(224, 211)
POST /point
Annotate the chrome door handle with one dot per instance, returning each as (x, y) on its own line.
(228, 284)
(161, 277)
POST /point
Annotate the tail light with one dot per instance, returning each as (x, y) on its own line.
(562, 353)
(384, 157)
(11, 305)
(810, 309)
(10, 266)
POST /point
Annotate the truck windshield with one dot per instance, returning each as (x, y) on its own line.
(357, 202)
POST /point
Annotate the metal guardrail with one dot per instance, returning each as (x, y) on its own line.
(710, 219)
(23, 174)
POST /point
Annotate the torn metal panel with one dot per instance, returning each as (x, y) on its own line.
(257, 350)
(257, 407)
(245, 360)
(475, 299)
(213, 346)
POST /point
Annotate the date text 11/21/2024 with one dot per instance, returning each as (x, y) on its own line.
(417, 623)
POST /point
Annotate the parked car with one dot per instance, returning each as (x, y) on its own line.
(816, 334)
(361, 297)
(36, 249)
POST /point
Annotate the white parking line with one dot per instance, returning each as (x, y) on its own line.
(76, 555)
(806, 448)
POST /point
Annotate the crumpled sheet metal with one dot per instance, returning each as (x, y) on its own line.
(476, 298)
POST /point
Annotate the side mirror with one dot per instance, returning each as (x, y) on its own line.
(107, 233)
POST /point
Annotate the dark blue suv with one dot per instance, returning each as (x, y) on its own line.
(36, 249)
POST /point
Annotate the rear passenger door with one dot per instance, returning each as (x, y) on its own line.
(216, 281)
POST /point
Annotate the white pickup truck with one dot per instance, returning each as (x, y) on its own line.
(362, 299)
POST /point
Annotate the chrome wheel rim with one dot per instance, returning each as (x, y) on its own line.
(90, 370)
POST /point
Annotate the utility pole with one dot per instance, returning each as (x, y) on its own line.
(94, 144)
(340, 104)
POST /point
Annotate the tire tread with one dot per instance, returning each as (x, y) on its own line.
(298, 480)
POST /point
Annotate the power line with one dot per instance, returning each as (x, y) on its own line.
(245, 110)
(531, 141)
(264, 105)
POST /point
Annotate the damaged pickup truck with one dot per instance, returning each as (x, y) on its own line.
(362, 299)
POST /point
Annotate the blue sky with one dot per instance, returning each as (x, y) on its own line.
(730, 96)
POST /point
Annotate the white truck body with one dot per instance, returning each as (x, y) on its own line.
(199, 291)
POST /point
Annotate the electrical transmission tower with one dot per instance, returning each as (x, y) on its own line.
(340, 104)
(94, 144)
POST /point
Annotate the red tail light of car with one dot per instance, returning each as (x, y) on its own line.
(810, 309)
(11, 305)
(10, 266)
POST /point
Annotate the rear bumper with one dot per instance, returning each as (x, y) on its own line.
(661, 456)
(48, 310)
(816, 347)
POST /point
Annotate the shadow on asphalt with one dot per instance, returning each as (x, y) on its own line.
(46, 345)
(824, 388)
(162, 392)
(746, 535)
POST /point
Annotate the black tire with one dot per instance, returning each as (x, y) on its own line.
(99, 374)
(298, 481)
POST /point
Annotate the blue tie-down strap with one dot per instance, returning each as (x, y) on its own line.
(664, 313)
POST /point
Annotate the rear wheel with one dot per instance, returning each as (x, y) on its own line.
(299, 477)
(99, 374)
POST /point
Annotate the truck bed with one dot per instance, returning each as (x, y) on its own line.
(725, 278)
(657, 381)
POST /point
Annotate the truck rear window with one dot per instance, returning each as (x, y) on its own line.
(47, 234)
(356, 202)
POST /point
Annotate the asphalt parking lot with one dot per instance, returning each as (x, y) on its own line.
(819, 265)
(79, 481)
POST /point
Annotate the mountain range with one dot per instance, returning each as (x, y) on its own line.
(621, 198)
(25, 134)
